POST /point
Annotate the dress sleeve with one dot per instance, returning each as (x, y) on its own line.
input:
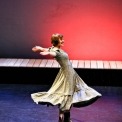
(56, 51)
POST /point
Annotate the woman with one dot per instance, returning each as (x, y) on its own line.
(68, 89)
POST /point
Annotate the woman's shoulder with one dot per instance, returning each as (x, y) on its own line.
(54, 49)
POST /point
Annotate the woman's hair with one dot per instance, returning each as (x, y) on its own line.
(55, 38)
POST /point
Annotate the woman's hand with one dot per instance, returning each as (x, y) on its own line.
(37, 48)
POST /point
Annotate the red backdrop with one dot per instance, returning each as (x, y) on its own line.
(92, 29)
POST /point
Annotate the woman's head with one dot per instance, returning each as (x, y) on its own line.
(57, 39)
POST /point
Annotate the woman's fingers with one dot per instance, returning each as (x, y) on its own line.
(34, 49)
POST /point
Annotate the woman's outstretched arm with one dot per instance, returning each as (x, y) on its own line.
(39, 49)
(53, 54)
(43, 51)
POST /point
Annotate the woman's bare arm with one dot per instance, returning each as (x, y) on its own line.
(53, 54)
(39, 49)
(43, 51)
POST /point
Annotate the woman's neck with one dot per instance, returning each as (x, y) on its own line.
(57, 47)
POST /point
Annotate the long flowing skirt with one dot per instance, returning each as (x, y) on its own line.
(67, 90)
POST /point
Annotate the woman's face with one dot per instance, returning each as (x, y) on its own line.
(61, 43)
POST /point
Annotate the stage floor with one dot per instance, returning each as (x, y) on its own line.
(16, 105)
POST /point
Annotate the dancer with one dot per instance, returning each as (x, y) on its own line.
(68, 89)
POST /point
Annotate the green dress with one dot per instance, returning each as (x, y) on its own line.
(68, 89)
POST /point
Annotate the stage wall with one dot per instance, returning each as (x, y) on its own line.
(92, 29)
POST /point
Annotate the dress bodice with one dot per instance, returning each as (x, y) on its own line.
(62, 57)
